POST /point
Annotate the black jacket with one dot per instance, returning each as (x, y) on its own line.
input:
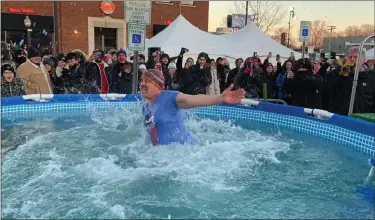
(305, 89)
(93, 78)
(197, 80)
(121, 78)
(341, 92)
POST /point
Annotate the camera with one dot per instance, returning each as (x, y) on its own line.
(183, 50)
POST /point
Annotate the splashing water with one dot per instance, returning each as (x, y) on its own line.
(100, 164)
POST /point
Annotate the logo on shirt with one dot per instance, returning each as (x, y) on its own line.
(151, 128)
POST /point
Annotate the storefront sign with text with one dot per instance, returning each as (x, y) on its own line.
(22, 10)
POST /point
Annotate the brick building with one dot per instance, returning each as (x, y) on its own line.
(83, 24)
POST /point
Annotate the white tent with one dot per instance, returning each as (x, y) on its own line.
(252, 39)
(181, 33)
(370, 54)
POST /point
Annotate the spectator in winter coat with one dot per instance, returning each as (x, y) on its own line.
(97, 75)
(173, 80)
(10, 85)
(269, 78)
(233, 73)
(283, 72)
(250, 79)
(121, 75)
(20, 57)
(198, 77)
(34, 75)
(214, 87)
(304, 87)
(73, 74)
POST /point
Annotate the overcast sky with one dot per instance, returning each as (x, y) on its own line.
(339, 13)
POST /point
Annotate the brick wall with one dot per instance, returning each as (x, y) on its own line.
(73, 16)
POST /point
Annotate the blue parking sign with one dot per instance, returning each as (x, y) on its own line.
(136, 39)
(305, 32)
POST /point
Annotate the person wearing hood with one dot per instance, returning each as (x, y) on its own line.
(34, 75)
(20, 57)
(339, 83)
(10, 85)
(97, 75)
(233, 72)
(250, 79)
(121, 75)
(304, 87)
(162, 109)
(198, 76)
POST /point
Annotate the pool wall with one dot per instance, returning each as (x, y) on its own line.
(353, 133)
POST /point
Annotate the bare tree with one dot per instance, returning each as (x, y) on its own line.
(318, 32)
(353, 30)
(367, 29)
(267, 14)
(276, 35)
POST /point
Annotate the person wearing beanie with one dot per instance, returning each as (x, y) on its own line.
(172, 81)
(142, 68)
(34, 75)
(121, 74)
(20, 57)
(121, 51)
(163, 117)
(10, 85)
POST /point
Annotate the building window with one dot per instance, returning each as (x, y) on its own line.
(105, 38)
(187, 3)
(157, 28)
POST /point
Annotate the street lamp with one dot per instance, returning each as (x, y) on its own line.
(27, 23)
(291, 15)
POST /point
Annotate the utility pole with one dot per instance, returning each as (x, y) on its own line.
(247, 14)
(330, 28)
(56, 27)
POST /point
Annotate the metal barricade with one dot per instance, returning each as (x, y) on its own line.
(357, 69)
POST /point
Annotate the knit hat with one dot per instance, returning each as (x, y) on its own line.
(142, 66)
(172, 66)
(121, 51)
(9, 67)
(47, 61)
(269, 64)
(156, 76)
(32, 52)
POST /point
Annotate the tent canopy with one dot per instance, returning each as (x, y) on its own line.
(370, 54)
(243, 43)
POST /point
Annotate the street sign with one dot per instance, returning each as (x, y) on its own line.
(305, 31)
(138, 12)
(136, 37)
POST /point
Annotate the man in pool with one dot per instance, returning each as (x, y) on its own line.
(162, 109)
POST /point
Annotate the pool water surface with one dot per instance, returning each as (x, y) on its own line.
(100, 164)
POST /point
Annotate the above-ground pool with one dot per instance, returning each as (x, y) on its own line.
(82, 157)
